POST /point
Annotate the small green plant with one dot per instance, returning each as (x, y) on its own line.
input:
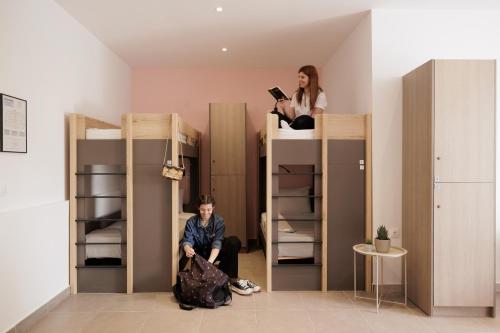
(368, 241)
(382, 233)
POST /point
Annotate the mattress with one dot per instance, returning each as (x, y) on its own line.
(293, 231)
(294, 134)
(103, 133)
(110, 234)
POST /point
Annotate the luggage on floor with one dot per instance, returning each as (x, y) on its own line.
(203, 285)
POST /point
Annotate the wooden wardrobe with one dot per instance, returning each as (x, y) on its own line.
(449, 186)
(228, 165)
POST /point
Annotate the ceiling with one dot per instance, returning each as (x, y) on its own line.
(257, 33)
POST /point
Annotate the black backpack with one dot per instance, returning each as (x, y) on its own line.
(204, 285)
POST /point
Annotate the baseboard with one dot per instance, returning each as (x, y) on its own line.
(30, 320)
(463, 311)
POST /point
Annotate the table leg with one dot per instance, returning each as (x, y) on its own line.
(354, 276)
(376, 281)
(382, 278)
(406, 284)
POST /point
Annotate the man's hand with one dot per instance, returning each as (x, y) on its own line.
(189, 251)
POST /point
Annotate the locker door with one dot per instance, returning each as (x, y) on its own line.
(464, 239)
(230, 199)
(464, 135)
(227, 138)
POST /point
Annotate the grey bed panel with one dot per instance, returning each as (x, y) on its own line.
(296, 277)
(152, 219)
(297, 152)
(150, 151)
(346, 212)
(100, 152)
(102, 280)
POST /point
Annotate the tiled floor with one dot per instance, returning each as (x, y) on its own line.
(275, 312)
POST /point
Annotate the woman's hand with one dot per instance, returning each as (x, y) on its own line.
(189, 251)
(282, 105)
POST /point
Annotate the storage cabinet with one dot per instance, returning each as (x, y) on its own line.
(449, 186)
(228, 165)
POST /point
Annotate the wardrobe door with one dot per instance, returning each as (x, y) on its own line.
(464, 244)
(227, 138)
(464, 135)
(230, 200)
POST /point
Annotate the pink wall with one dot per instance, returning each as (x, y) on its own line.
(188, 93)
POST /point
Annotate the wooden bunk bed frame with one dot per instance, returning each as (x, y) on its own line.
(327, 127)
(137, 129)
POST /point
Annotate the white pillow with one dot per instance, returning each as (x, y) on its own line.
(288, 205)
(284, 226)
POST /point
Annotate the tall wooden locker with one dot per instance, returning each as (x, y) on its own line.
(449, 186)
(228, 165)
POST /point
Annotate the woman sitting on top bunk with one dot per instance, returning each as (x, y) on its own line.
(299, 110)
(204, 235)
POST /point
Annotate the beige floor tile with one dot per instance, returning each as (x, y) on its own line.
(63, 322)
(489, 324)
(164, 302)
(239, 320)
(241, 302)
(289, 321)
(279, 300)
(338, 320)
(457, 325)
(116, 322)
(173, 321)
(84, 303)
(142, 302)
(317, 300)
(395, 320)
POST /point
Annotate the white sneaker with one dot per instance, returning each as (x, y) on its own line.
(241, 287)
(284, 125)
(255, 287)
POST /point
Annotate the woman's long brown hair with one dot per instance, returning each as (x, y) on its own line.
(314, 88)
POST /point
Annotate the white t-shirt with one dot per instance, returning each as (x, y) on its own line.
(304, 108)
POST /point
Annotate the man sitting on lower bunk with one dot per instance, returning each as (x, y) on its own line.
(204, 235)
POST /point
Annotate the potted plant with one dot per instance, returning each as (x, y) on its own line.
(368, 245)
(382, 242)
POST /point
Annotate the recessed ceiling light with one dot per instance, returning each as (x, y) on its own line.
(219, 9)
(224, 49)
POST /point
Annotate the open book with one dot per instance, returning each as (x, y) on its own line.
(277, 93)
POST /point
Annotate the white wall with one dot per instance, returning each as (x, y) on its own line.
(347, 76)
(50, 60)
(401, 41)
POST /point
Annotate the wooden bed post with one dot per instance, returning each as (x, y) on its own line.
(368, 199)
(269, 201)
(73, 129)
(324, 205)
(130, 203)
(174, 123)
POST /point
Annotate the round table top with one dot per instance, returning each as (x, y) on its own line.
(394, 251)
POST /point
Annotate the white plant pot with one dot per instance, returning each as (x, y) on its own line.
(368, 247)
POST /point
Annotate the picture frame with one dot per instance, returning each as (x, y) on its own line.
(13, 124)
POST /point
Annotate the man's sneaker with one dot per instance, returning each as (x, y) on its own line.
(255, 287)
(241, 287)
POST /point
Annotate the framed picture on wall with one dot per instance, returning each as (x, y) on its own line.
(13, 124)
